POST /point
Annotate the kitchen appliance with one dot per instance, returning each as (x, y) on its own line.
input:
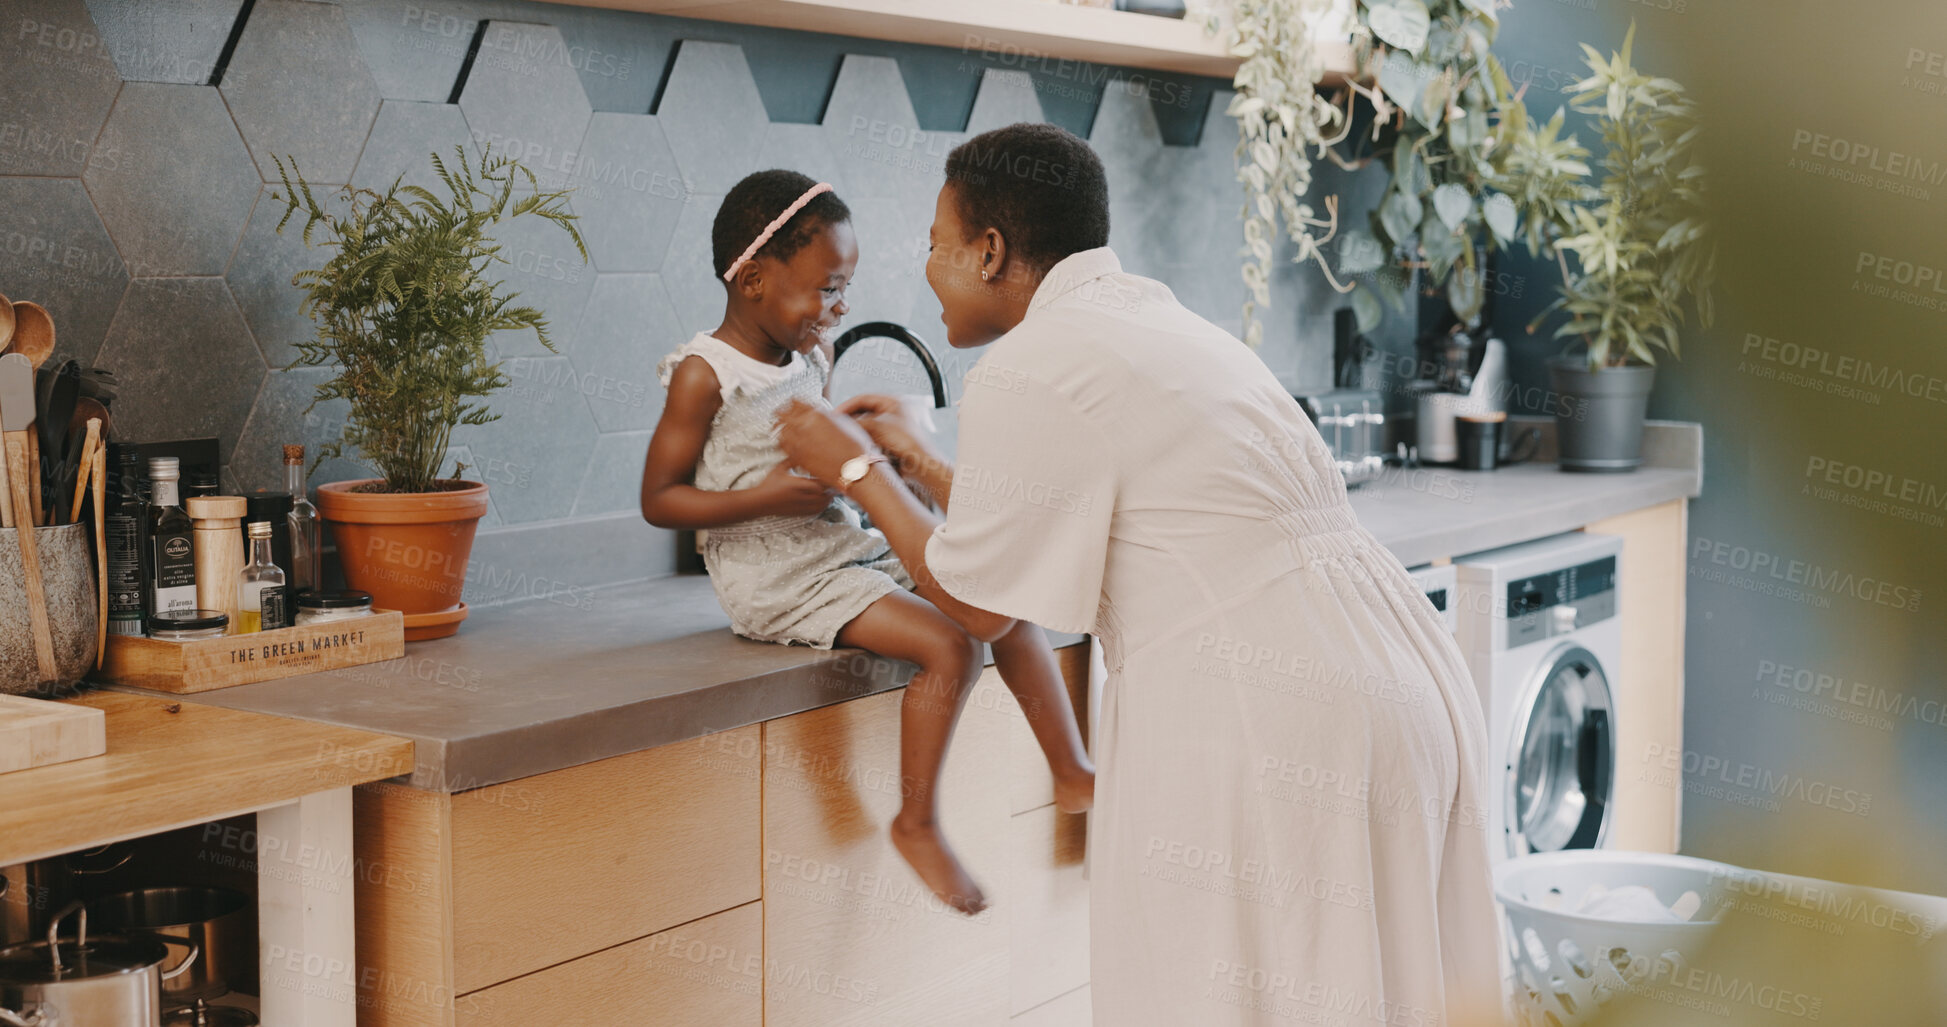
(1468, 377)
(1438, 582)
(1352, 422)
(106, 980)
(1538, 623)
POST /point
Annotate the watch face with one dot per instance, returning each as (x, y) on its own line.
(853, 469)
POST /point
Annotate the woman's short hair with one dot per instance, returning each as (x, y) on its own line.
(1039, 184)
(754, 202)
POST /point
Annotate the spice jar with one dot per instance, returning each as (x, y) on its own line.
(188, 625)
(320, 607)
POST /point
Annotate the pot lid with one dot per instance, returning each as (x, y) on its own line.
(105, 955)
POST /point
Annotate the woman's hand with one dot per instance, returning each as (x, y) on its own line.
(820, 441)
(893, 428)
(787, 494)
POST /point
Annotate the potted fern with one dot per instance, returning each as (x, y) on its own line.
(404, 307)
(1642, 248)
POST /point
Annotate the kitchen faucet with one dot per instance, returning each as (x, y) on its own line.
(888, 330)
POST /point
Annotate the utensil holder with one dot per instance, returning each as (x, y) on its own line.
(68, 583)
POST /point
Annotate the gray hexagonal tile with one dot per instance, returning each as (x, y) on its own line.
(870, 123)
(260, 277)
(183, 341)
(460, 464)
(178, 201)
(59, 84)
(415, 50)
(628, 326)
(165, 40)
(892, 259)
(1005, 97)
(688, 274)
(613, 482)
(298, 89)
(283, 415)
(545, 271)
(712, 115)
(628, 191)
(534, 456)
(404, 137)
(806, 149)
(58, 254)
(620, 55)
(523, 100)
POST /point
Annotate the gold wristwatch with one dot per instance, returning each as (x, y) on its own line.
(852, 471)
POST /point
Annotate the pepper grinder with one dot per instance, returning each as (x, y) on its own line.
(219, 550)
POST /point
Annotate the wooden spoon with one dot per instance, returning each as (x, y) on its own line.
(33, 332)
(6, 323)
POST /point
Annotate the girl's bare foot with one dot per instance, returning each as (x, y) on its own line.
(926, 851)
(1075, 790)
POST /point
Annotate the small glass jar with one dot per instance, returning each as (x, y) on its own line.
(321, 607)
(188, 625)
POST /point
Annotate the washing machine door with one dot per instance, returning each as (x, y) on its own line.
(1562, 760)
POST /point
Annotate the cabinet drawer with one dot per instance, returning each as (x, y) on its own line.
(707, 972)
(555, 866)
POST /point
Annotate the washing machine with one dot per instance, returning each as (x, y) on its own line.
(1538, 623)
(1437, 581)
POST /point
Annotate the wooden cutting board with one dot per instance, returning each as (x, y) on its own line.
(36, 732)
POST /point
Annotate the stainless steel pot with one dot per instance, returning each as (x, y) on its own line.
(106, 981)
(217, 920)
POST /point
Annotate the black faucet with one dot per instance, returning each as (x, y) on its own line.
(897, 333)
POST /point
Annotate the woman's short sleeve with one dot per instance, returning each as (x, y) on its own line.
(1027, 526)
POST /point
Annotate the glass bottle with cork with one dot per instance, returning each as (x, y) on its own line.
(307, 548)
(263, 601)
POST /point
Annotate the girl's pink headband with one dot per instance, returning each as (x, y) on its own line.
(776, 223)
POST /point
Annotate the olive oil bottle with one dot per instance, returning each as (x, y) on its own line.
(263, 603)
(168, 557)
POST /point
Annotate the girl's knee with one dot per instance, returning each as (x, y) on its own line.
(957, 654)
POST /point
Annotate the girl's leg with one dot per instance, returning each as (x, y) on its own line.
(1027, 664)
(903, 626)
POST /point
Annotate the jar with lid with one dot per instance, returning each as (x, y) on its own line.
(188, 625)
(322, 607)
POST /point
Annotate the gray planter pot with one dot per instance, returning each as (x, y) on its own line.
(1599, 419)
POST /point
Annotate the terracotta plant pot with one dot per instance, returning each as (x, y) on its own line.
(408, 549)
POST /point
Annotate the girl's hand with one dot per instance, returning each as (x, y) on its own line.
(790, 494)
(820, 441)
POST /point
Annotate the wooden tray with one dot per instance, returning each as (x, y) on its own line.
(210, 663)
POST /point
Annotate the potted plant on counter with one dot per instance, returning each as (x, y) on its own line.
(1642, 249)
(404, 308)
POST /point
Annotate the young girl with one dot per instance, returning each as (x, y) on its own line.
(790, 561)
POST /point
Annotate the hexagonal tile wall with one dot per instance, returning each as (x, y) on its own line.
(415, 51)
(176, 201)
(58, 254)
(873, 131)
(614, 479)
(404, 137)
(629, 326)
(688, 273)
(183, 341)
(59, 84)
(806, 149)
(712, 116)
(1005, 97)
(545, 271)
(523, 99)
(629, 192)
(892, 259)
(283, 415)
(260, 275)
(460, 464)
(533, 458)
(176, 41)
(299, 89)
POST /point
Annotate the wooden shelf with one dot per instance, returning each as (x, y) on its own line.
(1033, 31)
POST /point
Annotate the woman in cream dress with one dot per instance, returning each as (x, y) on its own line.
(1289, 819)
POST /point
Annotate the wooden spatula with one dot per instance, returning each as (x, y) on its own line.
(98, 477)
(16, 424)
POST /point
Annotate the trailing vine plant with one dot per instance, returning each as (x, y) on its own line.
(1280, 116)
(404, 306)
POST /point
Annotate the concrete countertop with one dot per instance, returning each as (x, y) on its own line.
(535, 686)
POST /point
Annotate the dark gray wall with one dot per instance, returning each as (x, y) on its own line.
(135, 203)
(1816, 708)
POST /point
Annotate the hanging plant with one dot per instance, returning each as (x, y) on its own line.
(1439, 99)
(1280, 117)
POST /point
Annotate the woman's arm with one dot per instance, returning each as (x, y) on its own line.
(670, 498)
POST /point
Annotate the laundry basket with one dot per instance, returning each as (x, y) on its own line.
(1567, 965)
